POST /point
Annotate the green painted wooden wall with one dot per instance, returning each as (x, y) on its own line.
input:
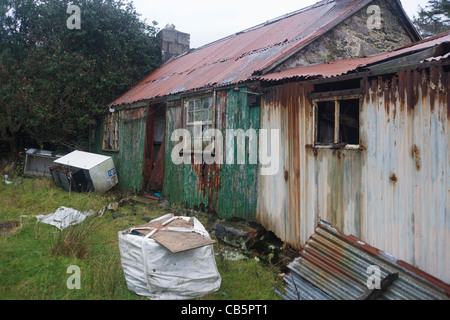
(230, 190)
(129, 159)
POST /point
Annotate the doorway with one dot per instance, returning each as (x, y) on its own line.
(153, 165)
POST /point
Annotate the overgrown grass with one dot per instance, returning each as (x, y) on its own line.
(34, 259)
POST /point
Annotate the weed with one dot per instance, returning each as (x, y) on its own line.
(72, 241)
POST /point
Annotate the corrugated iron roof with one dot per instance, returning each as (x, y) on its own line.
(333, 266)
(342, 67)
(238, 57)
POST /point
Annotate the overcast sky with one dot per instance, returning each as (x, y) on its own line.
(210, 20)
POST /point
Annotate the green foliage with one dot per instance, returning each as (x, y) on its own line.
(54, 80)
(434, 19)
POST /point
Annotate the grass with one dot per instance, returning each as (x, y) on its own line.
(34, 257)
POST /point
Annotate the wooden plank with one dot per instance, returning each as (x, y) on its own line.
(175, 241)
(181, 241)
(177, 223)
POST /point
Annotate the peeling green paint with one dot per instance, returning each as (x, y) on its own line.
(230, 190)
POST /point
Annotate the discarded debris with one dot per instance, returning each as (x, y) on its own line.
(169, 258)
(113, 206)
(83, 171)
(64, 217)
(6, 179)
(237, 234)
(38, 162)
(230, 254)
(335, 266)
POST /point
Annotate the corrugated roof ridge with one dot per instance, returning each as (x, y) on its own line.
(285, 16)
(268, 22)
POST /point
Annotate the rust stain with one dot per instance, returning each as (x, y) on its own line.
(393, 100)
(416, 155)
(401, 89)
(311, 148)
(208, 182)
(373, 88)
(362, 146)
(393, 178)
(359, 244)
(435, 82)
(447, 84)
(387, 98)
(425, 83)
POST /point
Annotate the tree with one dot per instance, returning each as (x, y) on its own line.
(435, 19)
(14, 22)
(54, 80)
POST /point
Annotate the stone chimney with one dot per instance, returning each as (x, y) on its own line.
(173, 42)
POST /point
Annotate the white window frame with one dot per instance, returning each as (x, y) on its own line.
(195, 107)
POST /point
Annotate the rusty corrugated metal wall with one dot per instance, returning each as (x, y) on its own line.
(230, 190)
(394, 194)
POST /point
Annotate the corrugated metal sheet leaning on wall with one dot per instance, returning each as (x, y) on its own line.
(335, 266)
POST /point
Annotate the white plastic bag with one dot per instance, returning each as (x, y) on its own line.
(153, 271)
(64, 217)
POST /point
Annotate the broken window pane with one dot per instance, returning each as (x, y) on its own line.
(325, 122)
(349, 121)
(346, 130)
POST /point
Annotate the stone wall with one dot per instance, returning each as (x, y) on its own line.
(353, 38)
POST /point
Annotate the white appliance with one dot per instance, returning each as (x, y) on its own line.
(99, 170)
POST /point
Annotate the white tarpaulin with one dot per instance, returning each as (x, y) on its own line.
(64, 217)
(154, 271)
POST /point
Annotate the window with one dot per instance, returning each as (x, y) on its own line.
(337, 121)
(199, 118)
(253, 100)
(111, 133)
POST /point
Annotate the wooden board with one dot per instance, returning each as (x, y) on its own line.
(177, 223)
(180, 241)
(175, 241)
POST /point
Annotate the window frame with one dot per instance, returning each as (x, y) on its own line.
(111, 120)
(336, 143)
(210, 122)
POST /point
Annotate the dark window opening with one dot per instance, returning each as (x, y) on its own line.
(326, 122)
(349, 121)
(337, 122)
(253, 100)
(337, 86)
